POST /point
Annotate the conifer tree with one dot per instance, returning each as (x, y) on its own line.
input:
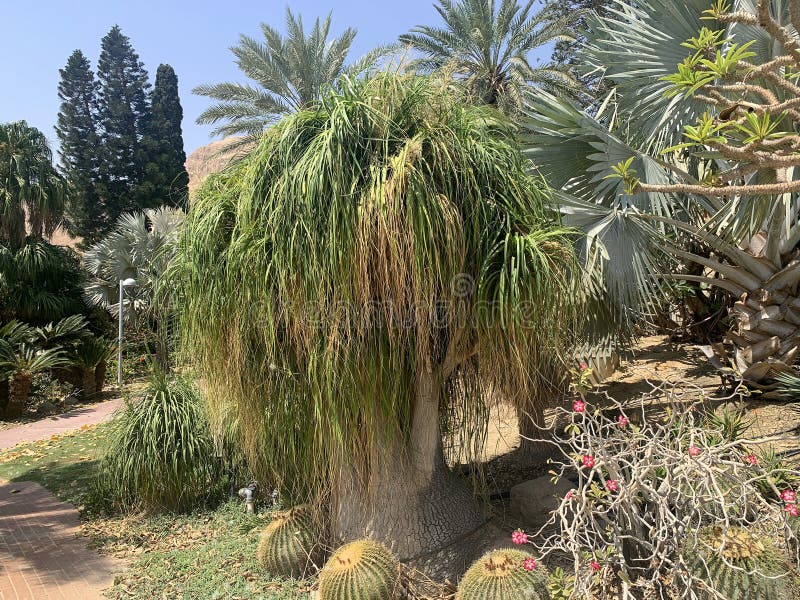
(165, 178)
(77, 130)
(122, 109)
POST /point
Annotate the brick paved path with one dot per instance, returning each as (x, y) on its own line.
(41, 555)
(49, 426)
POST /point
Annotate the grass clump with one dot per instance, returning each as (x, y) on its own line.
(161, 454)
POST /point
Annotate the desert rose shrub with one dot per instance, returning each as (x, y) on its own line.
(667, 501)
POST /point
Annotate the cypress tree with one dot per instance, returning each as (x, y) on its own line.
(123, 109)
(78, 134)
(165, 179)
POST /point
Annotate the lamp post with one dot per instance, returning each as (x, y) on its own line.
(123, 283)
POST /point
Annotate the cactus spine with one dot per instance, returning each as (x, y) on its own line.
(361, 570)
(739, 566)
(288, 545)
(499, 575)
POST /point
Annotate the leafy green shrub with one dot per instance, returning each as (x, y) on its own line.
(360, 570)
(161, 455)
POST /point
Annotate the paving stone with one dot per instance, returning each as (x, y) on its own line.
(42, 555)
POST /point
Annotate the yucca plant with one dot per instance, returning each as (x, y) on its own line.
(161, 455)
(380, 264)
(20, 363)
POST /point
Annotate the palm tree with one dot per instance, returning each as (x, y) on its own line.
(140, 247)
(29, 185)
(21, 363)
(40, 283)
(688, 175)
(488, 46)
(289, 73)
(378, 262)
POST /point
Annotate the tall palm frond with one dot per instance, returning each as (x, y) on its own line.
(31, 191)
(488, 47)
(289, 73)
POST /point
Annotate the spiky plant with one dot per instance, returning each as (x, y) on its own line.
(161, 455)
(290, 73)
(12, 334)
(489, 46)
(688, 170)
(88, 355)
(290, 545)
(740, 565)
(380, 261)
(360, 570)
(63, 333)
(20, 363)
(500, 575)
(40, 283)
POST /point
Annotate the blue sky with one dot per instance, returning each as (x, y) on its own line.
(192, 36)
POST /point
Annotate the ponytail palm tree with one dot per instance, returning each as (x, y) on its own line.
(691, 168)
(488, 46)
(289, 72)
(378, 267)
(30, 187)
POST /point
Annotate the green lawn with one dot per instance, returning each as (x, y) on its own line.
(204, 555)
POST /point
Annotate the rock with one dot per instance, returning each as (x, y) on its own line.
(536, 498)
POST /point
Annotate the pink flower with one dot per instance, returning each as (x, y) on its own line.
(584, 366)
(792, 510)
(694, 451)
(570, 495)
(751, 459)
(588, 461)
(595, 565)
(579, 406)
(622, 421)
(612, 485)
(788, 496)
(519, 537)
(529, 564)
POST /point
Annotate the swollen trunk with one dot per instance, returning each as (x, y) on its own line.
(415, 504)
(19, 393)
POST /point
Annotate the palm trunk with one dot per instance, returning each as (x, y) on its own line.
(4, 394)
(767, 332)
(100, 376)
(415, 504)
(19, 393)
(88, 383)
